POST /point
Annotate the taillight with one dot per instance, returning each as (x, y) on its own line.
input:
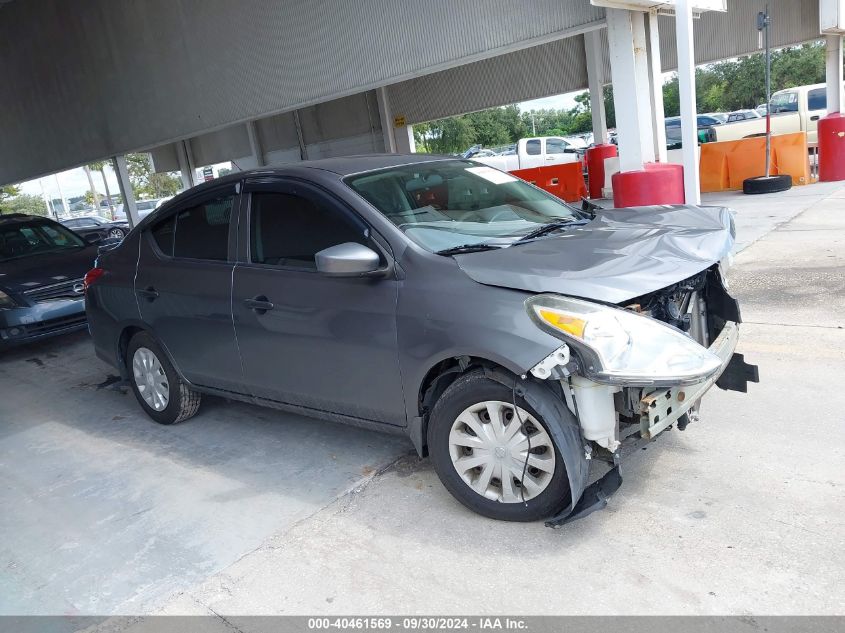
(91, 276)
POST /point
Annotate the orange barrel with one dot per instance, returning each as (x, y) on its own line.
(658, 183)
(595, 166)
(832, 147)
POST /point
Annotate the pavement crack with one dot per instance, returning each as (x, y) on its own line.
(802, 325)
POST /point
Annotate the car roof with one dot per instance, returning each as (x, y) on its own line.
(21, 218)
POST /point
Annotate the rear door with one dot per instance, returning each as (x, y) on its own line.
(533, 154)
(308, 339)
(183, 287)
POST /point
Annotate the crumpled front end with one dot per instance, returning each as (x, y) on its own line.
(623, 396)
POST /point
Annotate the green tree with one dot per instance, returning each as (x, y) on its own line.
(23, 203)
(9, 191)
(146, 183)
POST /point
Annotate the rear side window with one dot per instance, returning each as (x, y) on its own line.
(817, 99)
(163, 234)
(202, 232)
(288, 230)
(533, 147)
(555, 146)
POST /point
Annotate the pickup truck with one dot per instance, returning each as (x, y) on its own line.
(536, 152)
(793, 110)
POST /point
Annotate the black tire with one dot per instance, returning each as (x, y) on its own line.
(474, 388)
(116, 232)
(763, 184)
(183, 402)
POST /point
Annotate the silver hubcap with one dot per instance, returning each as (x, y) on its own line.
(489, 447)
(150, 379)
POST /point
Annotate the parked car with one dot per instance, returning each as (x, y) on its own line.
(763, 108)
(673, 129)
(41, 288)
(792, 110)
(743, 115)
(145, 207)
(537, 152)
(515, 339)
(95, 225)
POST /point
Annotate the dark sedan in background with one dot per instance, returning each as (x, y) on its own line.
(95, 225)
(42, 265)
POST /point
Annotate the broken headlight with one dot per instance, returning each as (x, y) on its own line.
(622, 347)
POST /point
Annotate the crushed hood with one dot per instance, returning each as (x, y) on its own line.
(622, 254)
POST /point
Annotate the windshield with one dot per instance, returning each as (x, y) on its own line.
(35, 238)
(446, 204)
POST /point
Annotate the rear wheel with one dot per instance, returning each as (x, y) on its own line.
(496, 459)
(117, 232)
(162, 394)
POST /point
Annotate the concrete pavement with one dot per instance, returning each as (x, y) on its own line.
(242, 510)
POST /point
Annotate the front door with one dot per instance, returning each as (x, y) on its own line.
(183, 288)
(305, 338)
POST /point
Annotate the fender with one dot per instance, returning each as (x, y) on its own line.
(562, 425)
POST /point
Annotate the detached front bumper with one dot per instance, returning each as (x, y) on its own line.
(664, 406)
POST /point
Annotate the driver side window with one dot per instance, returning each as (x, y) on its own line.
(288, 230)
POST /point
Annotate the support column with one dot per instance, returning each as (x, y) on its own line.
(642, 81)
(186, 164)
(686, 88)
(405, 143)
(122, 173)
(833, 72)
(303, 150)
(595, 83)
(655, 77)
(255, 144)
(633, 118)
(386, 120)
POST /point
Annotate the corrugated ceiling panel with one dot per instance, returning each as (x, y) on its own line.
(724, 35)
(531, 73)
(84, 80)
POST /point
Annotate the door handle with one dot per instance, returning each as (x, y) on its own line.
(815, 117)
(149, 293)
(260, 304)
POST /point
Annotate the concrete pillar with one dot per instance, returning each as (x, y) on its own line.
(686, 88)
(631, 99)
(833, 73)
(405, 143)
(186, 164)
(386, 120)
(655, 77)
(122, 173)
(595, 83)
(255, 144)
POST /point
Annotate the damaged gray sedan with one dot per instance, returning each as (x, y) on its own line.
(517, 340)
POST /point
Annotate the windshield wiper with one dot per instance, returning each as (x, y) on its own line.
(467, 248)
(549, 228)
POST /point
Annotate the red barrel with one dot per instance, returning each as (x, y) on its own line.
(595, 166)
(832, 147)
(658, 183)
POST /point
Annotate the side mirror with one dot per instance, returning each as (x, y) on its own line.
(347, 259)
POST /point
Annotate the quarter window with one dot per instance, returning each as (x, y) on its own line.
(532, 147)
(817, 99)
(555, 146)
(288, 230)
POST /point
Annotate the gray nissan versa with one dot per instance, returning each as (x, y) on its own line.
(515, 339)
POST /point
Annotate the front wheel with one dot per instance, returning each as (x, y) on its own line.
(496, 459)
(163, 395)
(117, 233)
